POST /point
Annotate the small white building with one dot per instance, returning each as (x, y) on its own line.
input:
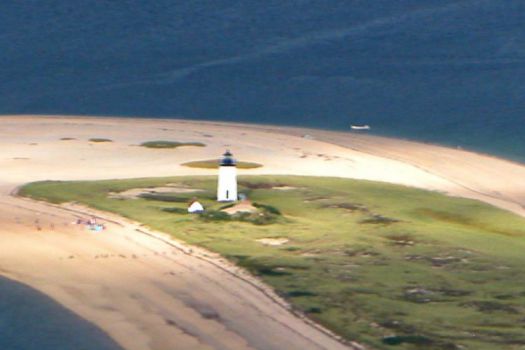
(195, 208)
(227, 186)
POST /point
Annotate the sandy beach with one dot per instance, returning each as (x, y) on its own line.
(147, 291)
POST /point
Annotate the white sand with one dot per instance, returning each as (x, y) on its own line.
(241, 207)
(273, 241)
(151, 293)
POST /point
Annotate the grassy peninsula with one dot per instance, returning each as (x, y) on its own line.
(386, 265)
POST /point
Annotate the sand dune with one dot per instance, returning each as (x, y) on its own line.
(149, 292)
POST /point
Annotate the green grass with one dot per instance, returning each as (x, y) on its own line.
(214, 164)
(389, 266)
(170, 144)
(99, 140)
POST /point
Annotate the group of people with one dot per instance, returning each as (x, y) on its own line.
(91, 224)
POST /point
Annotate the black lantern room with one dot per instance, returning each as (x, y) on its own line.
(227, 159)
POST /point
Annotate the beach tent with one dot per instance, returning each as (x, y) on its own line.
(195, 207)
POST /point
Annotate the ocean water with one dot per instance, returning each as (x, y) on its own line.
(31, 321)
(445, 71)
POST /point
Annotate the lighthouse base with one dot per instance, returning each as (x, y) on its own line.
(227, 186)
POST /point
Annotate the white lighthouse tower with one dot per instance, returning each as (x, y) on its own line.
(227, 188)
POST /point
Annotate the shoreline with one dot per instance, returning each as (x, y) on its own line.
(198, 253)
(274, 127)
(142, 298)
(285, 319)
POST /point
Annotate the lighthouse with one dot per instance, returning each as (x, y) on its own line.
(227, 187)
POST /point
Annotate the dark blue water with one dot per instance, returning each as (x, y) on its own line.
(31, 321)
(445, 71)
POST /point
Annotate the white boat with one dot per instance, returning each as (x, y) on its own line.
(360, 127)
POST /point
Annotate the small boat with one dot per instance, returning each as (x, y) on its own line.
(360, 127)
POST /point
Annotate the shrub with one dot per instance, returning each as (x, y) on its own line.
(313, 310)
(162, 197)
(268, 208)
(215, 215)
(379, 219)
(175, 210)
(256, 218)
(409, 339)
(227, 206)
(99, 140)
(170, 144)
(260, 217)
(261, 185)
(300, 293)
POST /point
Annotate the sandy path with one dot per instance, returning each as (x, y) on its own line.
(146, 293)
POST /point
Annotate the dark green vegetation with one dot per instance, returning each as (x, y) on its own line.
(265, 215)
(389, 266)
(170, 144)
(214, 164)
(99, 140)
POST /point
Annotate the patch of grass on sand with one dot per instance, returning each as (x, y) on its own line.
(214, 164)
(99, 140)
(170, 144)
(67, 139)
(381, 264)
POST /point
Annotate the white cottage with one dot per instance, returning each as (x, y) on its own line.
(195, 207)
(227, 186)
